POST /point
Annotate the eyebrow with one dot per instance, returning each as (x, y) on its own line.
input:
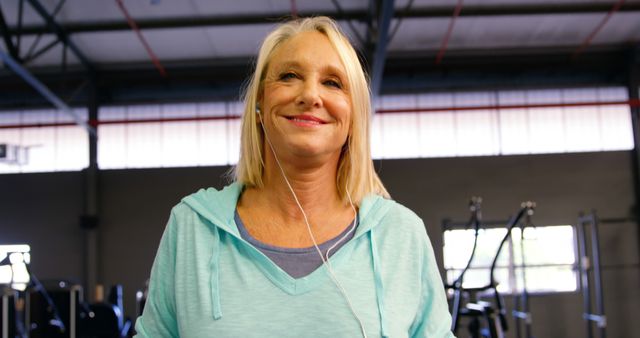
(330, 69)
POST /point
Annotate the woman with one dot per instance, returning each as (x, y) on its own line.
(306, 242)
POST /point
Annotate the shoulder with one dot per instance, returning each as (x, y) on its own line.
(403, 214)
(400, 230)
(400, 219)
(181, 214)
(181, 209)
(202, 212)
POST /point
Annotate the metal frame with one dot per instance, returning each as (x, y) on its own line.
(15, 61)
(495, 317)
(633, 90)
(51, 27)
(354, 15)
(7, 37)
(62, 35)
(44, 91)
(475, 208)
(403, 72)
(522, 312)
(8, 325)
(589, 267)
(379, 36)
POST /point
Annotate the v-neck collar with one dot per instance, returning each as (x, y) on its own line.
(282, 279)
(219, 208)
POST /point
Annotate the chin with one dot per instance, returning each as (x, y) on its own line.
(312, 150)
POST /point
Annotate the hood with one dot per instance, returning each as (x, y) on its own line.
(218, 206)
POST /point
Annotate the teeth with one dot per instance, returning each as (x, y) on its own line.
(305, 121)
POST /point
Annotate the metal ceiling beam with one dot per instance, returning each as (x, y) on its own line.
(210, 80)
(186, 22)
(384, 15)
(4, 30)
(359, 15)
(355, 32)
(44, 91)
(62, 35)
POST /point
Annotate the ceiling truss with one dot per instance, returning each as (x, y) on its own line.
(223, 78)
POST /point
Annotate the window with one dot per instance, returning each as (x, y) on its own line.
(522, 128)
(13, 265)
(169, 135)
(545, 270)
(48, 141)
(434, 125)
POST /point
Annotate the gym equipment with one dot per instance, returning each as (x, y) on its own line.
(107, 319)
(55, 308)
(590, 270)
(458, 291)
(495, 321)
(141, 298)
(53, 311)
(103, 319)
(8, 312)
(521, 312)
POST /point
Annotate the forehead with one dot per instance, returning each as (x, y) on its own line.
(307, 49)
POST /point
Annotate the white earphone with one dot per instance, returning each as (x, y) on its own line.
(325, 260)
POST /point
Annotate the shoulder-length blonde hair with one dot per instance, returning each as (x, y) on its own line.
(355, 167)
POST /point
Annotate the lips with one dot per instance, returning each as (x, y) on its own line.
(303, 118)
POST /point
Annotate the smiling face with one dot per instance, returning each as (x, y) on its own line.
(305, 103)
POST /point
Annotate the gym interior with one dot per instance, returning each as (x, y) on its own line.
(509, 126)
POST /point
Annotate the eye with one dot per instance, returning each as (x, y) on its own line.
(333, 83)
(288, 76)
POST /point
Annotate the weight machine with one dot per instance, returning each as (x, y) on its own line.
(493, 315)
(55, 309)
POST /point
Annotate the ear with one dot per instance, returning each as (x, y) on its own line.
(260, 95)
(258, 112)
(259, 104)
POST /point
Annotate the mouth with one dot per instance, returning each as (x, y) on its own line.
(305, 119)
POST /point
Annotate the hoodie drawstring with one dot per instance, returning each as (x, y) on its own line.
(215, 278)
(377, 275)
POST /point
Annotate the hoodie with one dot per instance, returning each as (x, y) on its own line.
(206, 281)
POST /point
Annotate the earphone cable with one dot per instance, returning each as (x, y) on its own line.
(325, 262)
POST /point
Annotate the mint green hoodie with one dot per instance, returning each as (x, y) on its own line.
(207, 281)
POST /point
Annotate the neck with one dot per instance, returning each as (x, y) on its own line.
(314, 185)
(272, 214)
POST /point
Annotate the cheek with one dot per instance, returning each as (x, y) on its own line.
(277, 94)
(342, 111)
(267, 95)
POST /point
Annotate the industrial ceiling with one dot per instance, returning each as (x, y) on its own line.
(121, 51)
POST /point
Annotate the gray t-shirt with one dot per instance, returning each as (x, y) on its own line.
(297, 262)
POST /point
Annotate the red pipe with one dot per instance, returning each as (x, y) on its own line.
(631, 103)
(136, 29)
(445, 41)
(588, 40)
(96, 123)
(294, 9)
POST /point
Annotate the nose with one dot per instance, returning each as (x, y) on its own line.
(309, 95)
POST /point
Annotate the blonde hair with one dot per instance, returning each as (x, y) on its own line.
(355, 167)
